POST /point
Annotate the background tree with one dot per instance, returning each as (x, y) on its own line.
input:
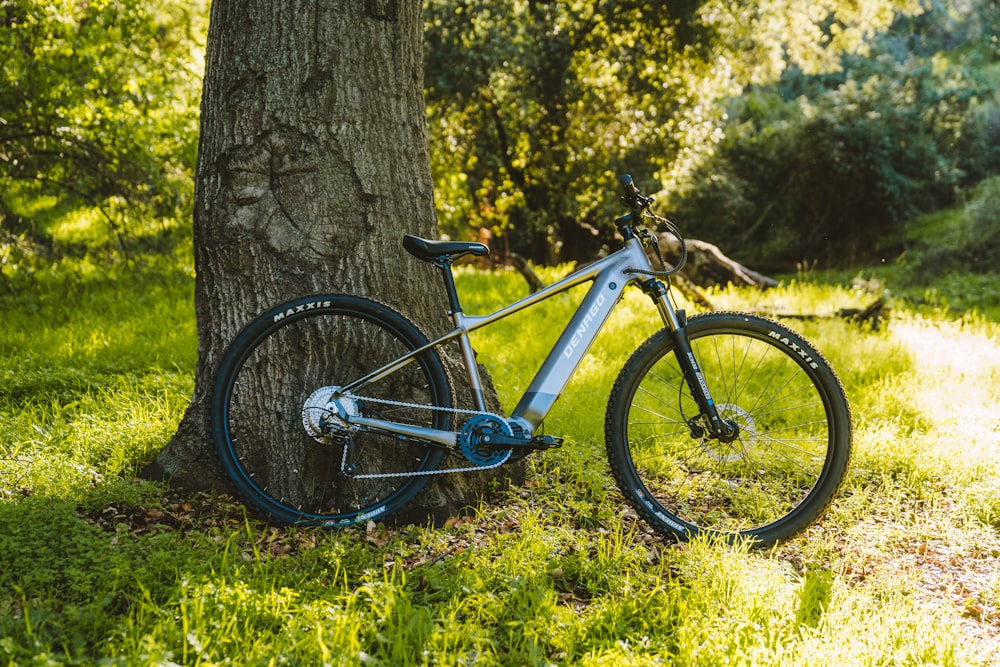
(98, 110)
(833, 167)
(312, 164)
(536, 105)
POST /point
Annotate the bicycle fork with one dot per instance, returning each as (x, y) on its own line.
(676, 322)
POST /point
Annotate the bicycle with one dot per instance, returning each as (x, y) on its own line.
(355, 404)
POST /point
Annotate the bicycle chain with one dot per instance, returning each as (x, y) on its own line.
(420, 473)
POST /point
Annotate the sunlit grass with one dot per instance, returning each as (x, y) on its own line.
(82, 225)
(95, 374)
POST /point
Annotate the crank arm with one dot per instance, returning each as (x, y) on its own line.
(495, 441)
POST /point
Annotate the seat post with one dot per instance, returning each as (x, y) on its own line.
(444, 263)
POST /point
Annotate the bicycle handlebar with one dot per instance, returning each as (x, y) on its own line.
(628, 185)
(636, 201)
(639, 205)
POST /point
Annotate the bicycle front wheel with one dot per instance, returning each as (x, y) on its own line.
(276, 433)
(781, 471)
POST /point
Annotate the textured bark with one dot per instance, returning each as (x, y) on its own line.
(313, 162)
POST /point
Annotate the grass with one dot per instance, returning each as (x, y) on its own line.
(97, 568)
(950, 258)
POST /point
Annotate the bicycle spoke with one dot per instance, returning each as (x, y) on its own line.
(766, 473)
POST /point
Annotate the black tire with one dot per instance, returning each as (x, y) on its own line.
(782, 471)
(264, 381)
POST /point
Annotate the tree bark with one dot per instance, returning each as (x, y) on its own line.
(312, 163)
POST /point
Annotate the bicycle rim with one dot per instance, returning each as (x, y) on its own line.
(267, 385)
(781, 471)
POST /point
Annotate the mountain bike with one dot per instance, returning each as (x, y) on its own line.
(332, 410)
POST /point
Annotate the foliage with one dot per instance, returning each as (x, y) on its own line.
(833, 167)
(951, 256)
(99, 110)
(983, 213)
(96, 568)
(534, 107)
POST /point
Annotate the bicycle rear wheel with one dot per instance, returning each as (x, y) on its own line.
(776, 477)
(268, 412)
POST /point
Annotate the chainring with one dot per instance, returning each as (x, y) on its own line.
(471, 444)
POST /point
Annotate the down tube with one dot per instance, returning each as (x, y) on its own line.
(571, 347)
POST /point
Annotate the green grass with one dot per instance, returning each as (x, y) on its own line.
(97, 568)
(950, 259)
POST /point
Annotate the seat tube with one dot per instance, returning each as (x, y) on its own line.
(464, 342)
(469, 359)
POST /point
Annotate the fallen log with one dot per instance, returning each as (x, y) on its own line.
(873, 314)
(707, 266)
(521, 265)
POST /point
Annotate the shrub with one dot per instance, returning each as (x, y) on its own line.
(833, 167)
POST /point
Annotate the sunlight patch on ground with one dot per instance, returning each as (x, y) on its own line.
(958, 370)
(943, 346)
(79, 226)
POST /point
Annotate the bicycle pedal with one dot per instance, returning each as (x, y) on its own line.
(546, 442)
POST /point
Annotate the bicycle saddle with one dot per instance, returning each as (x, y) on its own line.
(428, 250)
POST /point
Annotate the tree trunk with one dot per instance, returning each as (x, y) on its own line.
(313, 163)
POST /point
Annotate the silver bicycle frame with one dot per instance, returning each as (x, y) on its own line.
(609, 275)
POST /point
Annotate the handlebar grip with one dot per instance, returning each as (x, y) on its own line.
(628, 186)
(633, 197)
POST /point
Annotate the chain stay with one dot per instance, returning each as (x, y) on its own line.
(420, 473)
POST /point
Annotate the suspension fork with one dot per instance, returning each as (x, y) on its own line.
(676, 322)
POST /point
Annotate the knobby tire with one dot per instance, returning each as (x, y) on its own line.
(768, 484)
(266, 378)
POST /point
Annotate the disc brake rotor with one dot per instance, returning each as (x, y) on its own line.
(324, 413)
(738, 448)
